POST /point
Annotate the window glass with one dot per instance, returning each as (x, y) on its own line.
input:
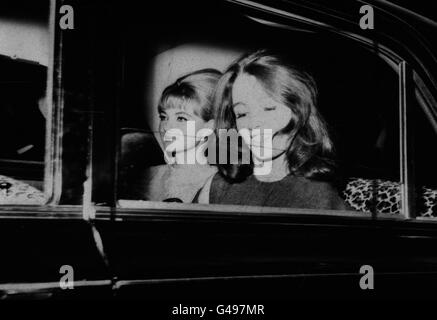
(337, 130)
(24, 59)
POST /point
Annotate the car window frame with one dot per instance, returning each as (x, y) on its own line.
(393, 59)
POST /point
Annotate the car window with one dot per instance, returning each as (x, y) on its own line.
(357, 97)
(24, 106)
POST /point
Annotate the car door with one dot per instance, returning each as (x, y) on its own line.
(183, 251)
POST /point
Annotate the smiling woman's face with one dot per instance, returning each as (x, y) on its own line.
(255, 109)
(176, 119)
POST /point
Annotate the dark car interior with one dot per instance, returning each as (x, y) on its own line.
(22, 128)
(23, 82)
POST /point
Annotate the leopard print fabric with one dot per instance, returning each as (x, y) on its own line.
(16, 192)
(430, 203)
(382, 196)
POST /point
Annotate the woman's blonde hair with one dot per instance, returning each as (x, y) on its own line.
(198, 86)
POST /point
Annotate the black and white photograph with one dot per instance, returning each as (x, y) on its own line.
(212, 157)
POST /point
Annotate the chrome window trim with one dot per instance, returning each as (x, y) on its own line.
(132, 209)
(53, 172)
(406, 168)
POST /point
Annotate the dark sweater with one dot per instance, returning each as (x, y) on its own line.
(290, 192)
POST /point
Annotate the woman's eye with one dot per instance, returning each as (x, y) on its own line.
(240, 115)
(181, 119)
(162, 117)
(270, 108)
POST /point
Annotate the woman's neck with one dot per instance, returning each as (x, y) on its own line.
(272, 170)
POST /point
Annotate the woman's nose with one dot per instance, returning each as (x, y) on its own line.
(166, 125)
(256, 122)
(163, 126)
